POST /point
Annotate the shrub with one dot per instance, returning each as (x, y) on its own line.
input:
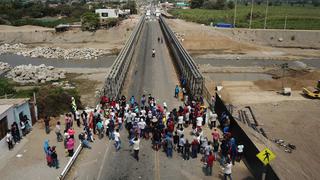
(5, 87)
(53, 101)
(89, 21)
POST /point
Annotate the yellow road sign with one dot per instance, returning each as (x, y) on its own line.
(266, 156)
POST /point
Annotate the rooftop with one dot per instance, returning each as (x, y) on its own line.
(10, 102)
(4, 108)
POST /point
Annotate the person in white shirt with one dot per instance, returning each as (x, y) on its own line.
(212, 119)
(77, 113)
(227, 170)
(106, 123)
(240, 148)
(117, 139)
(199, 121)
(142, 126)
(180, 120)
(136, 147)
(120, 122)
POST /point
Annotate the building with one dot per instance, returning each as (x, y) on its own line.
(107, 13)
(12, 110)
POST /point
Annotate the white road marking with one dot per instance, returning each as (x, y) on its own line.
(104, 159)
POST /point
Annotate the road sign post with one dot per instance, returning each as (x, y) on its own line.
(265, 156)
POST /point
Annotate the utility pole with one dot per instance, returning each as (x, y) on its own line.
(235, 14)
(285, 19)
(265, 18)
(251, 11)
(285, 22)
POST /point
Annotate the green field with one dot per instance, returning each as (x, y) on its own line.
(298, 17)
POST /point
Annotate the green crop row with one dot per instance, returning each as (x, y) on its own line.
(297, 17)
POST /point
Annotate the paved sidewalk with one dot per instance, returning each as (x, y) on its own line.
(32, 165)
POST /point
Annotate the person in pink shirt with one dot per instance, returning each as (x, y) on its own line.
(215, 135)
(70, 146)
(71, 132)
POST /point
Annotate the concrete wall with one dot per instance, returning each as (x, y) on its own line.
(13, 116)
(277, 38)
(10, 118)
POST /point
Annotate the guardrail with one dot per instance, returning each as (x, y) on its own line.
(70, 162)
(184, 62)
(115, 79)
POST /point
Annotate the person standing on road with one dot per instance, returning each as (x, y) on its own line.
(136, 147)
(46, 124)
(227, 170)
(181, 144)
(117, 139)
(169, 144)
(47, 151)
(58, 132)
(186, 152)
(77, 114)
(70, 145)
(9, 139)
(54, 156)
(100, 129)
(209, 161)
(215, 135)
(240, 148)
(176, 91)
(84, 116)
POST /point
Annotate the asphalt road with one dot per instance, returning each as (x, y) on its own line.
(158, 77)
(151, 75)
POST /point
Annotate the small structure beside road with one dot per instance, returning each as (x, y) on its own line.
(14, 110)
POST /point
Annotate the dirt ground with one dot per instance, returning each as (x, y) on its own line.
(113, 38)
(207, 42)
(295, 122)
(88, 82)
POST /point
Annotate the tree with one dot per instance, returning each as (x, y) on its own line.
(89, 21)
(132, 6)
(196, 4)
(315, 3)
(230, 4)
(211, 4)
(220, 4)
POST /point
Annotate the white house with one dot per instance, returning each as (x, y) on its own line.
(11, 110)
(107, 13)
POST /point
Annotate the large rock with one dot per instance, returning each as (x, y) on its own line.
(52, 52)
(25, 74)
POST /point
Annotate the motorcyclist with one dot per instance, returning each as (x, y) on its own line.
(158, 39)
(153, 53)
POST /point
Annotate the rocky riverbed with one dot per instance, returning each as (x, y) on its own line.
(52, 52)
(4, 66)
(26, 74)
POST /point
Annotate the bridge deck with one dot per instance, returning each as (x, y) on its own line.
(156, 76)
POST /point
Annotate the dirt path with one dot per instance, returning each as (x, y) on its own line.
(113, 38)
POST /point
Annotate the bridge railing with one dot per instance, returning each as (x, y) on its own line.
(116, 77)
(183, 61)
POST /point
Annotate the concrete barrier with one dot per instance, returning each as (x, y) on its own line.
(70, 162)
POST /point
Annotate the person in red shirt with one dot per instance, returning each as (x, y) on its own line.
(171, 126)
(210, 160)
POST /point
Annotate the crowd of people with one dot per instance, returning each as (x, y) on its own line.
(14, 135)
(167, 130)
